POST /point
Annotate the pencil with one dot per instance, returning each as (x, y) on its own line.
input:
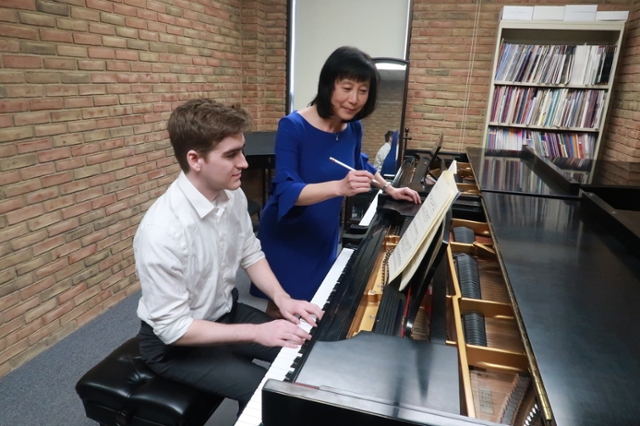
(340, 163)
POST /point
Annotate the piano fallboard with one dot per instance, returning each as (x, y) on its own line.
(576, 286)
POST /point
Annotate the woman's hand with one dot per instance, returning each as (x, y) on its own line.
(355, 182)
(404, 193)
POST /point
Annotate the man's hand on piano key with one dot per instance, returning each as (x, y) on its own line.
(280, 333)
(295, 310)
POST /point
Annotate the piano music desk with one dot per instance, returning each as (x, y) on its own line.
(259, 150)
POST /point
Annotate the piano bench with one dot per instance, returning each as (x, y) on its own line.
(122, 391)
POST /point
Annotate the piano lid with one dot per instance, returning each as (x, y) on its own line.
(576, 286)
(520, 173)
(401, 371)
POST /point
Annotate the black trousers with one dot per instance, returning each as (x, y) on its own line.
(225, 370)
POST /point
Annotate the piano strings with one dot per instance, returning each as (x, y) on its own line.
(500, 387)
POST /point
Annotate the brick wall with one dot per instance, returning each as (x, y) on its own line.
(446, 94)
(386, 117)
(264, 76)
(622, 139)
(86, 87)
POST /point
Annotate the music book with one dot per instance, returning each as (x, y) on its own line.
(415, 242)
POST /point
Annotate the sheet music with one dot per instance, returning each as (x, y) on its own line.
(421, 231)
(371, 211)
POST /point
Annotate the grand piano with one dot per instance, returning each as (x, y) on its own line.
(522, 311)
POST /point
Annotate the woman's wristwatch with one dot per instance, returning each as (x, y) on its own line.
(384, 188)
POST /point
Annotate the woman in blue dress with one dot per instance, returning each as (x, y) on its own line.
(300, 224)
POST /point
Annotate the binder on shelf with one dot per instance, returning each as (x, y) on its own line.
(548, 13)
(581, 8)
(580, 12)
(610, 15)
(517, 13)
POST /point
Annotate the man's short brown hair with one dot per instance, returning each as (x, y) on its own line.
(200, 124)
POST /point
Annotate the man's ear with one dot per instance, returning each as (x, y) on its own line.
(195, 160)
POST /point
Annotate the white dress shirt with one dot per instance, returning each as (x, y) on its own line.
(188, 251)
(381, 155)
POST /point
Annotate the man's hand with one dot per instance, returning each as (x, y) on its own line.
(293, 310)
(280, 333)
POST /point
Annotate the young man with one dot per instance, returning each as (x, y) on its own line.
(383, 151)
(188, 249)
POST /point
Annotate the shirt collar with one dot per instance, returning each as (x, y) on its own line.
(199, 202)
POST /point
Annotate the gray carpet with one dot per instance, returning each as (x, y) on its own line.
(42, 392)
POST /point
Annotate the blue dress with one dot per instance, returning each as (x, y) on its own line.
(301, 242)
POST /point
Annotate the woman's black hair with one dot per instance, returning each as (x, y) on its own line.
(346, 63)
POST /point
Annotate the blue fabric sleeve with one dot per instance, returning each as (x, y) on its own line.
(368, 167)
(287, 184)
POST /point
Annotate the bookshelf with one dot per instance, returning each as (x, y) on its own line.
(551, 86)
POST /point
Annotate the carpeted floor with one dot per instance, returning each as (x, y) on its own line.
(42, 392)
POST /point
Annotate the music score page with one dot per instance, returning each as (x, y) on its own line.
(416, 240)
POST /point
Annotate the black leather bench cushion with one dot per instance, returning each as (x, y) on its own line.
(122, 390)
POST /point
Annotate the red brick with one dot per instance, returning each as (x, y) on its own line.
(90, 39)
(58, 203)
(32, 118)
(48, 34)
(42, 104)
(48, 245)
(24, 62)
(22, 187)
(63, 226)
(101, 53)
(20, 309)
(62, 90)
(5, 121)
(74, 51)
(76, 210)
(34, 145)
(71, 293)
(23, 214)
(81, 102)
(13, 106)
(57, 179)
(103, 5)
(44, 220)
(81, 254)
(11, 204)
(28, 240)
(73, 163)
(36, 171)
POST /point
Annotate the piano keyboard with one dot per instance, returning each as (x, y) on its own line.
(282, 365)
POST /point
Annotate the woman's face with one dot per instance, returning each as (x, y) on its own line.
(348, 98)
